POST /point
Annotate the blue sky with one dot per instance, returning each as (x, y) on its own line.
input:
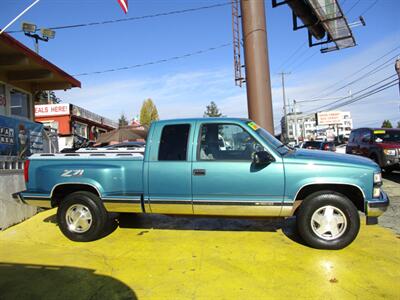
(183, 88)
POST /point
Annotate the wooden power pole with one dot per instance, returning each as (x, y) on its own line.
(259, 98)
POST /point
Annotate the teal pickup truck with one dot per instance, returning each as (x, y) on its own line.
(211, 166)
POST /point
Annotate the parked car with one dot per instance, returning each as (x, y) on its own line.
(185, 170)
(382, 145)
(319, 145)
(341, 148)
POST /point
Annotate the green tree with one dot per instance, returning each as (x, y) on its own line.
(212, 111)
(122, 121)
(398, 124)
(47, 97)
(387, 124)
(148, 112)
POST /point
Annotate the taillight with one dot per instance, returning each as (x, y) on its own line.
(26, 170)
(326, 147)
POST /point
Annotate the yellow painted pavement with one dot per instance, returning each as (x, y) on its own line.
(38, 262)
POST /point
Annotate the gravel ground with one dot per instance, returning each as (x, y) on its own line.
(391, 218)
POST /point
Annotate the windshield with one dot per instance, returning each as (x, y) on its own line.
(269, 138)
(387, 136)
(312, 145)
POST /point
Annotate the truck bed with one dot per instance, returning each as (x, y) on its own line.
(111, 174)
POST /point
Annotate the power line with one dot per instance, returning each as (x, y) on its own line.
(369, 7)
(355, 73)
(304, 61)
(377, 69)
(391, 83)
(370, 93)
(161, 14)
(354, 5)
(292, 55)
(202, 51)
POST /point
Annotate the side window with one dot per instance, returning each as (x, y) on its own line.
(352, 137)
(222, 142)
(173, 143)
(358, 136)
(365, 136)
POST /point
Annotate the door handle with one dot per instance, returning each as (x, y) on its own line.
(199, 172)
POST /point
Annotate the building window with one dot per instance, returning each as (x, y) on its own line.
(20, 104)
(80, 129)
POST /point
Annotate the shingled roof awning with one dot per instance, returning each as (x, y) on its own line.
(19, 64)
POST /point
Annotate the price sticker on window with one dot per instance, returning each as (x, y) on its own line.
(379, 131)
(253, 126)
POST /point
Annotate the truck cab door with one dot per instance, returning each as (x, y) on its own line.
(169, 181)
(225, 180)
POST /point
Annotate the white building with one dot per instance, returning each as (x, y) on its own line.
(330, 125)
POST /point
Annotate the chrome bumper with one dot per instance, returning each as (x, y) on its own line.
(37, 201)
(377, 208)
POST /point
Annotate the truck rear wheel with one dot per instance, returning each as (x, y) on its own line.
(82, 217)
(328, 220)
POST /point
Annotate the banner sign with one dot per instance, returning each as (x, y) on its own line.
(329, 118)
(46, 110)
(20, 137)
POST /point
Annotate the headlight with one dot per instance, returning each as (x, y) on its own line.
(389, 151)
(376, 192)
(377, 178)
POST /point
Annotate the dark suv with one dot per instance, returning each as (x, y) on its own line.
(380, 144)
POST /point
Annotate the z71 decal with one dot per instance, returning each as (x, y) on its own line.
(72, 173)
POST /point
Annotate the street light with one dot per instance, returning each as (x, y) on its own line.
(30, 29)
(48, 33)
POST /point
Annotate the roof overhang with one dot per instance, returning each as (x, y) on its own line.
(19, 64)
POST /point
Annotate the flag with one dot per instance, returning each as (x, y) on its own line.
(124, 5)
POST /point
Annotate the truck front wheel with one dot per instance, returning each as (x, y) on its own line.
(328, 220)
(82, 217)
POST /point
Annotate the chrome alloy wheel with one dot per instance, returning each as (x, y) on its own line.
(79, 218)
(328, 222)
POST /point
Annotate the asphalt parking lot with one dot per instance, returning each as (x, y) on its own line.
(162, 257)
(391, 218)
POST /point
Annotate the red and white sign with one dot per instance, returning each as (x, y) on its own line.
(124, 5)
(44, 110)
(329, 118)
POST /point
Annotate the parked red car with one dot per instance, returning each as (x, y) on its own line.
(319, 145)
(380, 144)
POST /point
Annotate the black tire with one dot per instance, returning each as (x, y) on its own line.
(388, 170)
(375, 158)
(314, 207)
(95, 220)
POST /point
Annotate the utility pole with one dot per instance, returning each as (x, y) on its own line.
(259, 97)
(284, 106)
(296, 137)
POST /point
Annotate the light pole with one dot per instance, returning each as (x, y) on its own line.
(286, 135)
(30, 30)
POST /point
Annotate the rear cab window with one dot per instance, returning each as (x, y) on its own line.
(174, 143)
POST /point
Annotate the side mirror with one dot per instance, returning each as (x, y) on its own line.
(262, 158)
